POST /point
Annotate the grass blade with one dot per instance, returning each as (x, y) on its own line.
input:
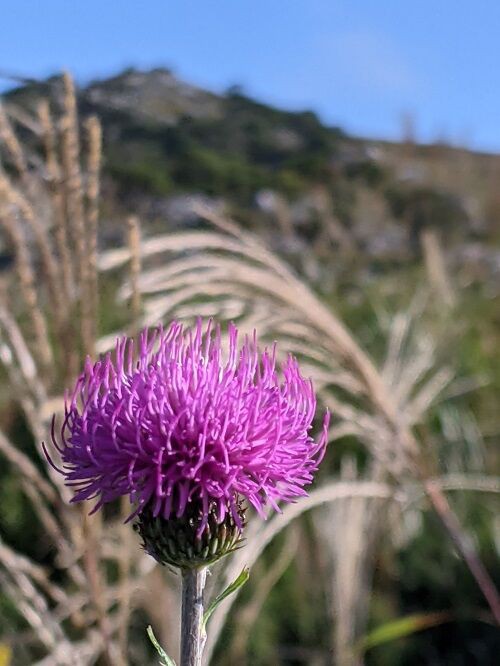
(402, 627)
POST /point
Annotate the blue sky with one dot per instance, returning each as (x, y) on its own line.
(359, 64)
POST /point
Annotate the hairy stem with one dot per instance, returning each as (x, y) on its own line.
(192, 632)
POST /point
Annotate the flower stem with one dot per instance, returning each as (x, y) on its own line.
(192, 632)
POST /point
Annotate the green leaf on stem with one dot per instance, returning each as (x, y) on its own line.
(235, 585)
(165, 660)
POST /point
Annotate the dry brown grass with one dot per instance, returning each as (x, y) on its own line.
(49, 211)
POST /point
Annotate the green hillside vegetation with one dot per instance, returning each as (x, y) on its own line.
(369, 226)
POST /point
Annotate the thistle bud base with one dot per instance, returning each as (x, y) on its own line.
(179, 542)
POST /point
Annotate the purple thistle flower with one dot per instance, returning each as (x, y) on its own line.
(184, 424)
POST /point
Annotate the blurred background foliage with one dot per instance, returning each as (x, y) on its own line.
(370, 226)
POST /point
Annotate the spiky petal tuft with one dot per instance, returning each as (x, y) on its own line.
(188, 420)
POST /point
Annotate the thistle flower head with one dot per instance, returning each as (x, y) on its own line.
(189, 421)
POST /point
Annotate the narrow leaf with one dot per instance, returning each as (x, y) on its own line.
(165, 660)
(402, 627)
(235, 585)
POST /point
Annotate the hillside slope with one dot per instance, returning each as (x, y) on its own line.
(165, 138)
